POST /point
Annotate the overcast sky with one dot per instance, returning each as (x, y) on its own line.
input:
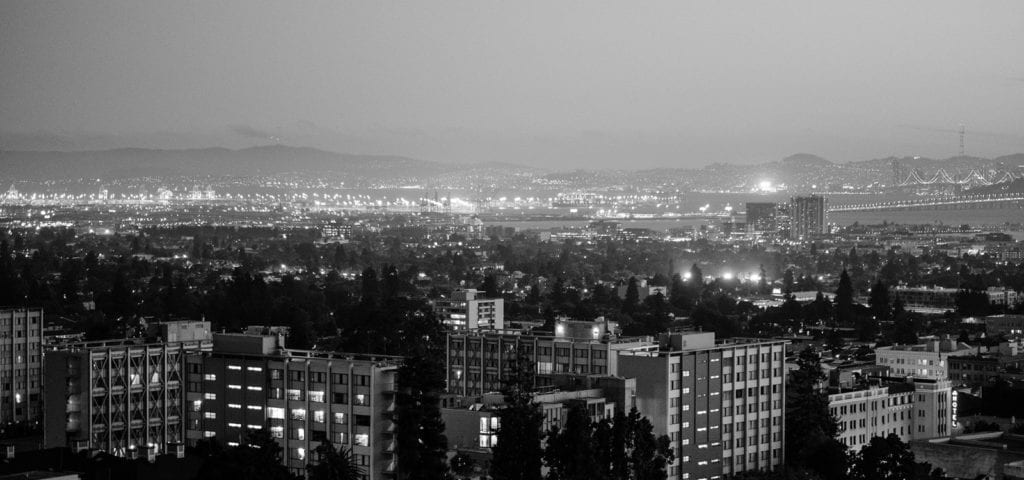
(569, 84)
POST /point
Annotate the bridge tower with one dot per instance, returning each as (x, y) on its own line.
(963, 132)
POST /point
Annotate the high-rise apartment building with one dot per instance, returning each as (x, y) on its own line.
(304, 398)
(21, 364)
(806, 217)
(118, 396)
(720, 403)
(466, 310)
(477, 361)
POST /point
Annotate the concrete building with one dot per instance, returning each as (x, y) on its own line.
(305, 398)
(471, 423)
(478, 360)
(466, 310)
(762, 217)
(720, 403)
(118, 396)
(913, 409)
(21, 364)
(806, 217)
(1009, 325)
(925, 360)
(1005, 361)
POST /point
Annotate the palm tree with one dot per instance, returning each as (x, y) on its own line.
(333, 464)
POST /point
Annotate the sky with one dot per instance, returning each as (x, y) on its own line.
(563, 84)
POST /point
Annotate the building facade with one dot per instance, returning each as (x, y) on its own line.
(466, 310)
(21, 364)
(304, 398)
(917, 409)
(117, 396)
(925, 360)
(720, 403)
(477, 361)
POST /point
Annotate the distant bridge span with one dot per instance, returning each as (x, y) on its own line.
(954, 202)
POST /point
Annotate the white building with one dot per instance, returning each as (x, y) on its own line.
(466, 311)
(926, 360)
(912, 410)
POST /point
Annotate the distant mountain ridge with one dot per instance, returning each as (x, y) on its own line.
(801, 170)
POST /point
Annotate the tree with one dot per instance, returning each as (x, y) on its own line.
(879, 301)
(570, 451)
(811, 429)
(462, 465)
(679, 295)
(886, 458)
(632, 300)
(257, 457)
(518, 454)
(762, 281)
(421, 440)
(787, 282)
(490, 287)
(333, 464)
(844, 299)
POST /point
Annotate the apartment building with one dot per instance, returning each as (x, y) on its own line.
(721, 403)
(21, 364)
(466, 310)
(915, 409)
(924, 360)
(477, 361)
(305, 398)
(119, 396)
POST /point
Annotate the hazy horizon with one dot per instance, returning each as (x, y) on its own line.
(563, 86)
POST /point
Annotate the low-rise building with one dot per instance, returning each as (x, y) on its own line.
(1009, 325)
(304, 398)
(467, 310)
(924, 360)
(912, 409)
(477, 361)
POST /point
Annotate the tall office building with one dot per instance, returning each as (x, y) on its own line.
(466, 310)
(806, 217)
(720, 403)
(120, 396)
(762, 217)
(304, 398)
(21, 364)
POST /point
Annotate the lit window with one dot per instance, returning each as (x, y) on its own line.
(209, 434)
(210, 376)
(254, 369)
(339, 418)
(254, 427)
(362, 439)
(234, 367)
(360, 399)
(316, 396)
(197, 405)
(318, 416)
(235, 387)
(275, 412)
(210, 396)
(277, 431)
(298, 414)
(234, 425)
(254, 407)
(232, 444)
(210, 415)
(234, 405)
(294, 394)
(254, 388)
